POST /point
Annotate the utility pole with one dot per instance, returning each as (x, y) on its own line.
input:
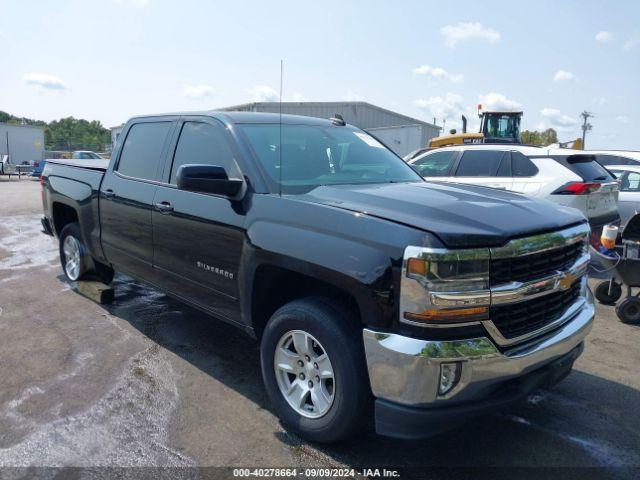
(585, 125)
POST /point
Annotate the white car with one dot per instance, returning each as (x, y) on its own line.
(567, 177)
(629, 179)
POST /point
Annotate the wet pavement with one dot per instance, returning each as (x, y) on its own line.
(148, 381)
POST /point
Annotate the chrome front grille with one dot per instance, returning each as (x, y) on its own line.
(526, 267)
(515, 320)
(534, 283)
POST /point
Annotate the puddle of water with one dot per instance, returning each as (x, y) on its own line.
(25, 244)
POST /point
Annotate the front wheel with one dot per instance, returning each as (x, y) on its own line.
(314, 370)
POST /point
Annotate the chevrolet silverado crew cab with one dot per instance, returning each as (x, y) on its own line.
(365, 285)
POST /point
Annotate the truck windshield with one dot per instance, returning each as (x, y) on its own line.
(501, 125)
(314, 155)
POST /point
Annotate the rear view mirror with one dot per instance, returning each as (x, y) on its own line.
(207, 179)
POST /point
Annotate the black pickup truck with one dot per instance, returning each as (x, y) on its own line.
(365, 285)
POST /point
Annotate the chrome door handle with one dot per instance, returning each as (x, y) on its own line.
(163, 207)
(108, 193)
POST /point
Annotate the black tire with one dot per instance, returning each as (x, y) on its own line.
(341, 339)
(629, 311)
(603, 296)
(89, 268)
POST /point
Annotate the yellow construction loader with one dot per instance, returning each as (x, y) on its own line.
(495, 127)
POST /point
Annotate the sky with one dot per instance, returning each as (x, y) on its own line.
(108, 60)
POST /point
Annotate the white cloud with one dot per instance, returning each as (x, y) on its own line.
(632, 43)
(133, 3)
(552, 117)
(462, 32)
(45, 80)
(2, 34)
(604, 36)
(600, 101)
(198, 91)
(563, 76)
(447, 107)
(622, 119)
(497, 101)
(298, 97)
(437, 73)
(263, 93)
(352, 96)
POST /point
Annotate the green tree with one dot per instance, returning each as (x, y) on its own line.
(67, 133)
(544, 138)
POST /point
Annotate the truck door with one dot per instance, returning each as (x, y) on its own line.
(198, 237)
(126, 197)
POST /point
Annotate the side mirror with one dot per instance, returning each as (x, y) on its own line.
(207, 179)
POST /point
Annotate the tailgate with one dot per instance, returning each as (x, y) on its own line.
(603, 201)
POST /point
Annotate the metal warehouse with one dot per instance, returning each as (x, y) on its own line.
(23, 143)
(399, 132)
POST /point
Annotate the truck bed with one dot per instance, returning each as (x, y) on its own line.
(93, 164)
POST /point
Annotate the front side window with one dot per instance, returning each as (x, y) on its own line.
(142, 150)
(302, 157)
(435, 164)
(480, 163)
(203, 144)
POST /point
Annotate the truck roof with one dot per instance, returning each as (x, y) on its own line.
(247, 117)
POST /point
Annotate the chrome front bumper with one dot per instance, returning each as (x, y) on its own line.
(406, 370)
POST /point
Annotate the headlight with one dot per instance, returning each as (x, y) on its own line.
(442, 286)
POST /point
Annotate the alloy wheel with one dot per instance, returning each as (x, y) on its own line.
(72, 257)
(304, 374)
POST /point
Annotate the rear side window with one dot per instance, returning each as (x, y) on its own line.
(142, 150)
(586, 167)
(204, 144)
(615, 160)
(480, 163)
(521, 166)
(436, 164)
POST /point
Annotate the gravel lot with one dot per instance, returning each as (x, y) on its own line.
(147, 381)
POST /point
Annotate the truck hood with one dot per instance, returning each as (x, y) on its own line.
(460, 215)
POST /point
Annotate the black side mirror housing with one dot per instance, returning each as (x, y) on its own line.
(207, 179)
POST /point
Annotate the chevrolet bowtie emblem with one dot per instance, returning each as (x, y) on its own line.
(567, 280)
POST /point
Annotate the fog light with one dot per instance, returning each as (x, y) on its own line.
(449, 377)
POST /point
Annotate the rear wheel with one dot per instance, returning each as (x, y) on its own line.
(607, 297)
(314, 371)
(629, 310)
(76, 262)
(72, 252)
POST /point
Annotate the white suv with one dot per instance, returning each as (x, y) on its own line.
(567, 177)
